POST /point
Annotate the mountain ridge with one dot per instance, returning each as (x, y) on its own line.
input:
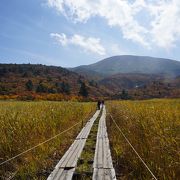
(142, 76)
(132, 64)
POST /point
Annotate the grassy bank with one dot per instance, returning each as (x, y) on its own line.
(153, 129)
(25, 124)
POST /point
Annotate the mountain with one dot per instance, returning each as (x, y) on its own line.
(142, 76)
(114, 77)
(41, 80)
(131, 64)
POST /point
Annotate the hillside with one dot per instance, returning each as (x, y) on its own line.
(129, 81)
(27, 79)
(28, 82)
(142, 86)
(142, 77)
(131, 64)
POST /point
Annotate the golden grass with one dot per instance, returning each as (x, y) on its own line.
(153, 128)
(25, 124)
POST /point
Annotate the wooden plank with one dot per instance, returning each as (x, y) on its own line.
(99, 153)
(104, 174)
(100, 174)
(103, 167)
(107, 174)
(99, 163)
(85, 131)
(55, 175)
(74, 158)
(65, 174)
(69, 174)
(66, 166)
(105, 160)
(68, 154)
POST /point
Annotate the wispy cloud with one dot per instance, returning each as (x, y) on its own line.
(116, 49)
(89, 44)
(117, 13)
(163, 29)
(166, 23)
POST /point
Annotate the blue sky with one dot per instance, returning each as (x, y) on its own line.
(69, 33)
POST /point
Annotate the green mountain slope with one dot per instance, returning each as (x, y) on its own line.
(131, 64)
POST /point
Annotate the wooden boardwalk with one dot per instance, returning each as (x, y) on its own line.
(102, 166)
(66, 166)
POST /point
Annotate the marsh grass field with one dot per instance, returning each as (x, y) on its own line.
(153, 128)
(26, 124)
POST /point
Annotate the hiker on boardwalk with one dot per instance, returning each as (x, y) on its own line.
(99, 105)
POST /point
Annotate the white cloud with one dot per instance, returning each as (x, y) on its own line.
(121, 14)
(163, 29)
(60, 38)
(116, 49)
(58, 4)
(89, 44)
(118, 13)
(166, 24)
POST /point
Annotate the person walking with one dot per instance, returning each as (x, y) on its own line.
(99, 105)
